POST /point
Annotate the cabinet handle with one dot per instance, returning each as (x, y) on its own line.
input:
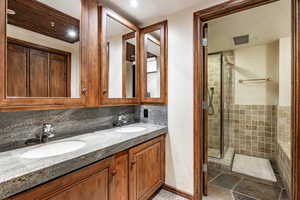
(84, 91)
(114, 173)
(133, 163)
(104, 92)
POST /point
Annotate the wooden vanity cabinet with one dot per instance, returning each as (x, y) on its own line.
(134, 174)
(120, 183)
(147, 169)
(91, 183)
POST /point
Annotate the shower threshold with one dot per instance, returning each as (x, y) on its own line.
(259, 168)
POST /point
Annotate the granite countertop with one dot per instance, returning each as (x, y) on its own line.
(19, 174)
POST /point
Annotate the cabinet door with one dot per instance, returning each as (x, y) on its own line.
(38, 78)
(93, 188)
(58, 75)
(146, 169)
(121, 177)
(17, 58)
(90, 183)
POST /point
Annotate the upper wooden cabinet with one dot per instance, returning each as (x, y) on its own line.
(119, 59)
(154, 64)
(37, 71)
(41, 59)
(89, 57)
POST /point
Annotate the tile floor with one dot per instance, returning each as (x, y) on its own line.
(229, 186)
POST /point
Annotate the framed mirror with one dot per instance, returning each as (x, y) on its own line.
(154, 63)
(119, 59)
(43, 62)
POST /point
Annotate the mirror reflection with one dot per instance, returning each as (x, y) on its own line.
(153, 53)
(43, 48)
(121, 60)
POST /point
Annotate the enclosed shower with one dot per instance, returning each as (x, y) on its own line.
(220, 97)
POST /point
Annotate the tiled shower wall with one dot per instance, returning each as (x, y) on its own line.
(214, 80)
(228, 93)
(249, 129)
(283, 157)
(214, 90)
(253, 130)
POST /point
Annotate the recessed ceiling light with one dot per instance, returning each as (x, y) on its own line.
(11, 12)
(134, 3)
(72, 33)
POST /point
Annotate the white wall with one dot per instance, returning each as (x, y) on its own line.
(260, 61)
(285, 69)
(36, 38)
(179, 146)
(115, 67)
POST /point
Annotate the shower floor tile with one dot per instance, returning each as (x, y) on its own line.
(255, 167)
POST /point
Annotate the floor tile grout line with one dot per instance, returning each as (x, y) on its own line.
(245, 195)
(233, 188)
(216, 177)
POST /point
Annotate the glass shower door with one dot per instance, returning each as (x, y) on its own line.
(215, 105)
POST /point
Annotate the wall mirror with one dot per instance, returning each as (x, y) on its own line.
(120, 61)
(154, 66)
(43, 54)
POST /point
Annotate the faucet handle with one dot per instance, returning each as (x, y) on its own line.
(48, 129)
(50, 135)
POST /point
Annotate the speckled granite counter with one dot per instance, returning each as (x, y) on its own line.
(18, 174)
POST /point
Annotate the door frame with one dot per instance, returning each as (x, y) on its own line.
(220, 10)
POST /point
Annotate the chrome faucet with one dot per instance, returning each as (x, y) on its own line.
(122, 119)
(43, 136)
(47, 132)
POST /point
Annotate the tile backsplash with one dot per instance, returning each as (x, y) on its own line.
(16, 127)
(156, 114)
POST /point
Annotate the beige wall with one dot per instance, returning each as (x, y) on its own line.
(179, 147)
(285, 69)
(36, 38)
(260, 61)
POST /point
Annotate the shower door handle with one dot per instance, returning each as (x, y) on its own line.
(204, 105)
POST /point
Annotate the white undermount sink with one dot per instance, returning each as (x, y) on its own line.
(131, 129)
(53, 149)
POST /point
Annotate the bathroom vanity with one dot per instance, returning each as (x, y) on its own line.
(117, 164)
(89, 58)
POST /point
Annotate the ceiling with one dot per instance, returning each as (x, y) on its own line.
(116, 29)
(148, 10)
(263, 24)
(64, 6)
(36, 16)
